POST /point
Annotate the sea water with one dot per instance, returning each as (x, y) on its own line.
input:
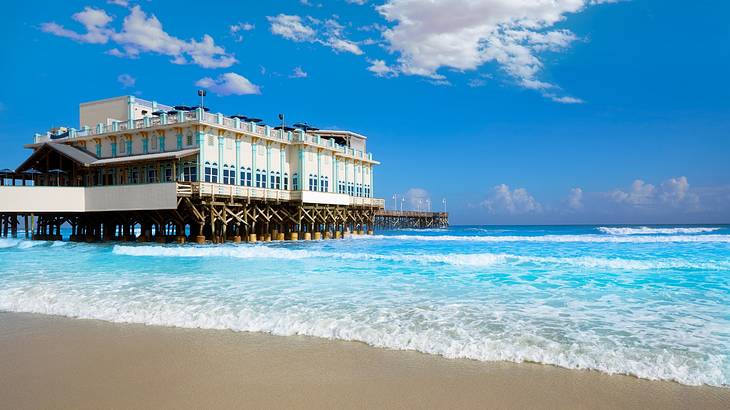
(653, 302)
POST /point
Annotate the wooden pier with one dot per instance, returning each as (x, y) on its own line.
(410, 219)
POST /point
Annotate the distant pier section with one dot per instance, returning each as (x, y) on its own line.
(410, 219)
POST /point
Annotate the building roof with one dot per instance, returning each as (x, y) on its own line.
(86, 159)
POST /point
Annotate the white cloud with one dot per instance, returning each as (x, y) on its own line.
(674, 192)
(292, 27)
(503, 200)
(575, 199)
(358, 2)
(465, 34)
(417, 198)
(381, 69)
(123, 3)
(298, 72)
(141, 33)
(126, 80)
(95, 22)
(229, 84)
(236, 30)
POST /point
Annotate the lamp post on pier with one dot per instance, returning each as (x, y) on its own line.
(402, 200)
(443, 201)
(395, 202)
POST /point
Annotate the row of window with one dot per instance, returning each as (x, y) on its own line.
(156, 143)
(353, 189)
(275, 181)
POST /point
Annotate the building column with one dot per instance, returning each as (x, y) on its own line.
(237, 173)
(282, 159)
(201, 156)
(319, 170)
(335, 177)
(221, 141)
(268, 165)
(347, 177)
(302, 170)
(372, 186)
(254, 173)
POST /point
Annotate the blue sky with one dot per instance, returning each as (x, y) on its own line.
(571, 111)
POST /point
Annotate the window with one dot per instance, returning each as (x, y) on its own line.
(245, 176)
(114, 149)
(190, 172)
(189, 139)
(295, 182)
(226, 175)
(324, 184)
(179, 141)
(98, 150)
(312, 182)
(258, 178)
(122, 148)
(286, 181)
(129, 147)
(151, 175)
(133, 176)
(263, 178)
(153, 144)
(278, 180)
(272, 181)
(214, 173)
(162, 143)
(208, 172)
(145, 145)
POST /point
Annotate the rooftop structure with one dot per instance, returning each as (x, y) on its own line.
(202, 173)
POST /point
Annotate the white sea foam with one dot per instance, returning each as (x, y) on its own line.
(454, 259)
(645, 230)
(445, 330)
(556, 238)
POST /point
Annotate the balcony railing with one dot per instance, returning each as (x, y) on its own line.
(244, 192)
(205, 118)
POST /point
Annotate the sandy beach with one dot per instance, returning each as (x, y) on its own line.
(55, 362)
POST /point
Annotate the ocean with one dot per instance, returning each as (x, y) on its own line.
(648, 301)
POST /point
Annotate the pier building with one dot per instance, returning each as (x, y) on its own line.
(141, 170)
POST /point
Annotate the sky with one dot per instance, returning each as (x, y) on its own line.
(514, 112)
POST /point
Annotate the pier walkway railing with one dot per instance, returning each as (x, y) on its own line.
(385, 219)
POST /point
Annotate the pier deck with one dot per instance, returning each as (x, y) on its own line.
(410, 219)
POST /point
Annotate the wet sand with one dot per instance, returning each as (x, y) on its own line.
(54, 362)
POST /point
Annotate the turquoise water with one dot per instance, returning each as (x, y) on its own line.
(653, 302)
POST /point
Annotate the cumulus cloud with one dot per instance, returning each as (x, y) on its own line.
(126, 80)
(298, 72)
(503, 200)
(575, 199)
(465, 34)
(381, 69)
(329, 33)
(229, 84)
(142, 33)
(674, 192)
(417, 198)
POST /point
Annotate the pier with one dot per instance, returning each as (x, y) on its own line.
(137, 170)
(410, 219)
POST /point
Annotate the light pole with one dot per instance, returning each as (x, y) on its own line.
(443, 201)
(419, 204)
(395, 202)
(401, 203)
(428, 205)
(202, 94)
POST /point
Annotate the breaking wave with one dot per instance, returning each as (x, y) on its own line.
(645, 230)
(454, 259)
(556, 238)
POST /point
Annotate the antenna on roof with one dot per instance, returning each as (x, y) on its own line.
(281, 117)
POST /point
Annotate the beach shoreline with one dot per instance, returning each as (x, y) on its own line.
(51, 361)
